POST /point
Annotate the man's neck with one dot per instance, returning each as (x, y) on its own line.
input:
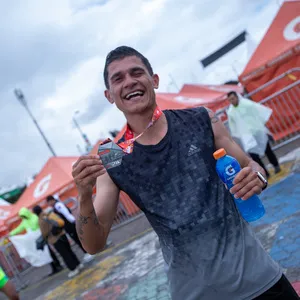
(152, 135)
(139, 122)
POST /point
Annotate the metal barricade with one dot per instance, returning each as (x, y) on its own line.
(123, 217)
(14, 266)
(284, 123)
(126, 214)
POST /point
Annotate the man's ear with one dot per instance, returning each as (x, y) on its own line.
(155, 79)
(108, 96)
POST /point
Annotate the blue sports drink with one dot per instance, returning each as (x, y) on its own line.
(227, 168)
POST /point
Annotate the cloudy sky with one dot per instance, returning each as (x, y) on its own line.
(54, 50)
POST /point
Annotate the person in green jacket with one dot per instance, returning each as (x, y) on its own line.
(30, 221)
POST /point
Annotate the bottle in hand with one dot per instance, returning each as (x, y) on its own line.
(227, 168)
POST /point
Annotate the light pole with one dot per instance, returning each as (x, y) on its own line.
(84, 136)
(20, 96)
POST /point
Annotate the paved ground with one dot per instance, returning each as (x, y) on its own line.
(135, 271)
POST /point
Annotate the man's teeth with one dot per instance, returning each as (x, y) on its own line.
(134, 94)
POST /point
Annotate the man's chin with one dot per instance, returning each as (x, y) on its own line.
(137, 110)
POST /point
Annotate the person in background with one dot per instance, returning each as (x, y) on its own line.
(31, 222)
(57, 238)
(247, 120)
(7, 287)
(64, 212)
(70, 223)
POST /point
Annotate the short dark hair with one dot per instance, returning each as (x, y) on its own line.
(232, 93)
(50, 198)
(37, 210)
(120, 53)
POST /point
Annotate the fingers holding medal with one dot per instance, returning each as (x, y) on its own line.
(86, 170)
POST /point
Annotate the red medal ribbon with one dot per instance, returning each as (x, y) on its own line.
(127, 145)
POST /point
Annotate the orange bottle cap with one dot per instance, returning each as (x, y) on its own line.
(219, 153)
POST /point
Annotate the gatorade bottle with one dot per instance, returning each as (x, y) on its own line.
(227, 168)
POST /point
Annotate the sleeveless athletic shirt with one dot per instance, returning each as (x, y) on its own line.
(211, 252)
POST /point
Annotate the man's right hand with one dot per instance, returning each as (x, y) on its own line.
(85, 172)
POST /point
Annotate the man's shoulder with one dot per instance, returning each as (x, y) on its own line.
(192, 111)
(196, 115)
(187, 110)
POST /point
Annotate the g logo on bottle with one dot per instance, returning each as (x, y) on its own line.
(230, 170)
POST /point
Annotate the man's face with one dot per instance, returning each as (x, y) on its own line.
(131, 86)
(51, 202)
(233, 99)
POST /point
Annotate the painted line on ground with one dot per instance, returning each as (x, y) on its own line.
(98, 255)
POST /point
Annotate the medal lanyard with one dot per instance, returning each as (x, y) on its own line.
(127, 145)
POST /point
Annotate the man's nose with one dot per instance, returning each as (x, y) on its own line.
(129, 81)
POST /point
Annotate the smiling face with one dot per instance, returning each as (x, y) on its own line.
(131, 87)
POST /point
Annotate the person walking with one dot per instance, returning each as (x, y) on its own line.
(31, 222)
(247, 122)
(165, 164)
(51, 226)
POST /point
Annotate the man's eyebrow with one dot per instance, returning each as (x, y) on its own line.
(115, 75)
(136, 69)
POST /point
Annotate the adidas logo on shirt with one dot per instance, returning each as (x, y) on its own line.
(193, 149)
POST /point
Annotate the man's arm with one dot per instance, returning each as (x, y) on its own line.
(246, 183)
(94, 220)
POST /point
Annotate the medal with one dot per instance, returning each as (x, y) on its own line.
(111, 153)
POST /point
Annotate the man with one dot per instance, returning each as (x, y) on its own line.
(247, 120)
(63, 211)
(210, 251)
(51, 226)
(31, 222)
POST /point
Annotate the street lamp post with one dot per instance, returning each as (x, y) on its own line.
(20, 96)
(84, 136)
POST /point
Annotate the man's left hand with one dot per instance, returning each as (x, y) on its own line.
(246, 184)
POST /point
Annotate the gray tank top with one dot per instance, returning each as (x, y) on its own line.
(211, 252)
